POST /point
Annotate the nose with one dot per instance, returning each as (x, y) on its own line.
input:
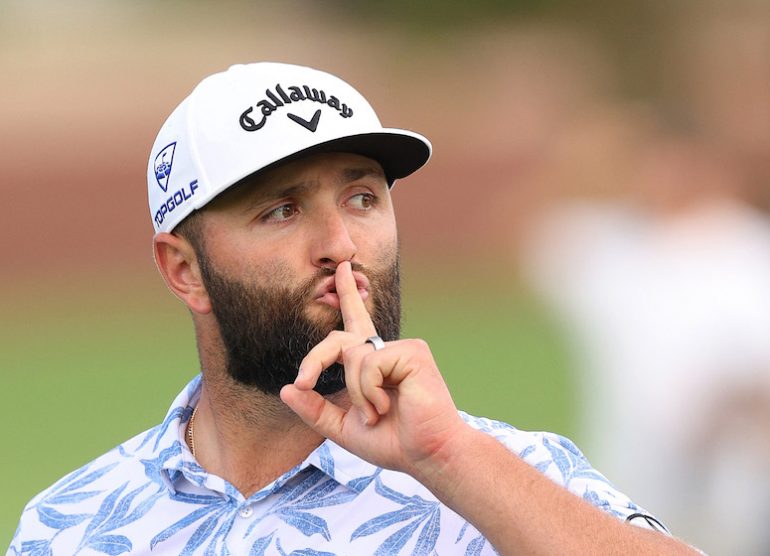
(333, 243)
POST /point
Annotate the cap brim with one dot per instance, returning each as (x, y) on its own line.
(399, 152)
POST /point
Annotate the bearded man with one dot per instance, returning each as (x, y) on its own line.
(313, 429)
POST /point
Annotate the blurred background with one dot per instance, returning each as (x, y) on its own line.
(588, 252)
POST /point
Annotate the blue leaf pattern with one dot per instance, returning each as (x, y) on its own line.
(317, 496)
(71, 498)
(36, 548)
(113, 514)
(327, 461)
(593, 498)
(475, 546)
(200, 499)
(426, 542)
(361, 483)
(414, 509)
(143, 507)
(463, 530)
(149, 495)
(384, 521)
(111, 544)
(261, 544)
(69, 484)
(394, 495)
(312, 493)
(543, 466)
(104, 511)
(186, 521)
(153, 467)
(527, 451)
(202, 533)
(560, 459)
(58, 520)
(303, 487)
(308, 524)
(394, 543)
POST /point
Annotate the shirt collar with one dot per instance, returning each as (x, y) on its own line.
(173, 460)
(166, 456)
(343, 466)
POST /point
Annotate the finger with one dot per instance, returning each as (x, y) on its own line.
(352, 360)
(354, 314)
(327, 351)
(372, 378)
(315, 411)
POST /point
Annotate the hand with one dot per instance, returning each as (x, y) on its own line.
(401, 414)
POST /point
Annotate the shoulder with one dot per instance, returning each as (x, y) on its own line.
(552, 454)
(79, 496)
(533, 447)
(558, 458)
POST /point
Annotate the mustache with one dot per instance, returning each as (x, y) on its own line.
(325, 271)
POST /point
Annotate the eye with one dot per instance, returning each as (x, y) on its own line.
(279, 214)
(362, 201)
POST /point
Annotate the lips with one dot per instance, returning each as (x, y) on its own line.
(326, 292)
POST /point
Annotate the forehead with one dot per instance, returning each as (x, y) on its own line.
(304, 173)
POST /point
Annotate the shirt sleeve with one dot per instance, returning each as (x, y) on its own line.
(560, 460)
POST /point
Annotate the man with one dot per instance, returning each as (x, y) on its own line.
(313, 429)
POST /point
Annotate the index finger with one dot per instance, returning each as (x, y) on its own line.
(354, 314)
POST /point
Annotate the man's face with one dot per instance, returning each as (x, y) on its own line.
(268, 261)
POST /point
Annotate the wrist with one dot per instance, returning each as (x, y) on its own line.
(441, 472)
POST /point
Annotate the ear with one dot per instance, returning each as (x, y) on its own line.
(178, 264)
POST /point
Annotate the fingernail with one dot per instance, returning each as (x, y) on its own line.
(364, 419)
(300, 372)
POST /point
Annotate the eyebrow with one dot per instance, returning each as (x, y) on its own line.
(345, 176)
(353, 174)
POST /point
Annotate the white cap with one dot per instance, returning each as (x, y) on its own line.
(253, 116)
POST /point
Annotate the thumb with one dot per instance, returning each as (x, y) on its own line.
(316, 412)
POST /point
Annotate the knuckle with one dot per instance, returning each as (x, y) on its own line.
(354, 359)
(420, 353)
(419, 345)
(371, 376)
(348, 354)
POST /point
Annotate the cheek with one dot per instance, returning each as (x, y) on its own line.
(262, 267)
(273, 271)
(384, 253)
(381, 238)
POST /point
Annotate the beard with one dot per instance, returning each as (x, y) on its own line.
(266, 331)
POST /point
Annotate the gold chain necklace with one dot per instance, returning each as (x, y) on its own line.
(190, 431)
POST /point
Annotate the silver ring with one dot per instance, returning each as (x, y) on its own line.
(376, 341)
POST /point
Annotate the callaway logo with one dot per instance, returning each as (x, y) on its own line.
(163, 163)
(312, 125)
(280, 97)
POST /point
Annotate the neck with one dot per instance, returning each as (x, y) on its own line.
(247, 437)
